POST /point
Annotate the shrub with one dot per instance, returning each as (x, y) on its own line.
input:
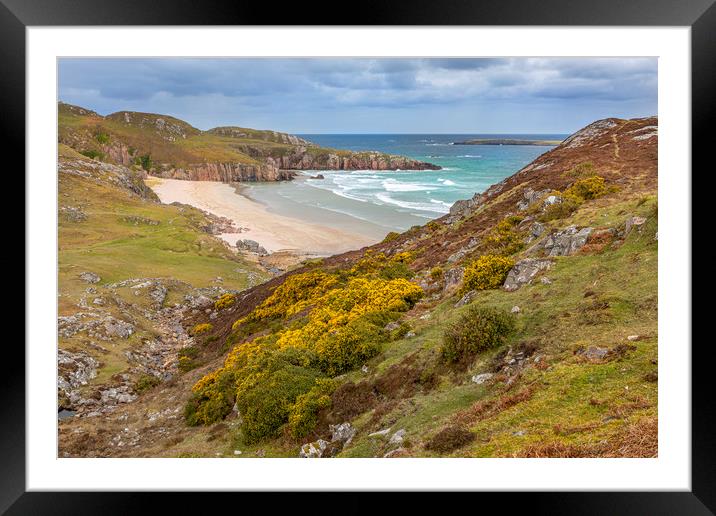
(102, 137)
(488, 271)
(292, 296)
(564, 207)
(145, 383)
(145, 161)
(450, 439)
(93, 154)
(201, 328)
(393, 235)
(477, 330)
(265, 407)
(589, 188)
(436, 273)
(224, 301)
(583, 169)
(432, 225)
(303, 416)
(503, 238)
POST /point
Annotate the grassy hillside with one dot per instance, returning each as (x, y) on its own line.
(524, 323)
(111, 225)
(165, 145)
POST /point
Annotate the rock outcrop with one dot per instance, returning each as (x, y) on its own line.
(524, 272)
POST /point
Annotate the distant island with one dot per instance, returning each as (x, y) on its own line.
(507, 141)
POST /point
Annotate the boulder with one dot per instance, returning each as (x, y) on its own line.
(90, 277)
(466, 298)
(595, 353)
(452, 278)
(633, 222)
(463, 208)
(481, 378)
(567, 241)
(524, 272)
(391, 326)
(313, 450)
(397, 437)
(342, 433)
(251, 246)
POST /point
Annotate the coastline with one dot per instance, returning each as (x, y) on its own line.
(275, 232)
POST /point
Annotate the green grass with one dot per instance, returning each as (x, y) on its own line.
(550, 314)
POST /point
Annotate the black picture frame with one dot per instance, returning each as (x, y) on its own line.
(700, 15)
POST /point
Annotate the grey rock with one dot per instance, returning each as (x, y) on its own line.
(410, 334)
(342, 433)
(515, 309)
(397, 437)
(633, 222)
(453, 278)
(595, 353)
(466, 298)
(391, 326)
(251, 246)
(545, 280)
(481, 378)
(524, 272)
(90, 277)
(380, 433)
(118, 328)
(566, 242)
(464, 208)
(313, 450)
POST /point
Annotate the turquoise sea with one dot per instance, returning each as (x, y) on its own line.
(375, 202)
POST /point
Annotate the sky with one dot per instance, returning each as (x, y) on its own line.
(360, 96)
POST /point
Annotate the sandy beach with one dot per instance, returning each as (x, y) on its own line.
(273, 231)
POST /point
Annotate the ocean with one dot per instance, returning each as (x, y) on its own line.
(375, 202)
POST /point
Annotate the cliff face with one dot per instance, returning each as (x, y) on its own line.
(326, 160)
(168, 147)
(226, 172)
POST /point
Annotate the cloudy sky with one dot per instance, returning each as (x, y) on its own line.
(516, 95)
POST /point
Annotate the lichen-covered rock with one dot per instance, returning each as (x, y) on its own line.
(466, 298)
(567, 241)
(633, 222)
(313, 450)
(342, 433)
(89, 277)
(251, 246)
(453, 278)
(524, 272)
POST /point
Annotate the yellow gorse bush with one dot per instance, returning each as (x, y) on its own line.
(589, 188)
(201, 328)
(342, 327)
(504, 238)
(292, 296)
(225, 301)
(488, 271)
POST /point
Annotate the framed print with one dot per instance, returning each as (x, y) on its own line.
(388, 256)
